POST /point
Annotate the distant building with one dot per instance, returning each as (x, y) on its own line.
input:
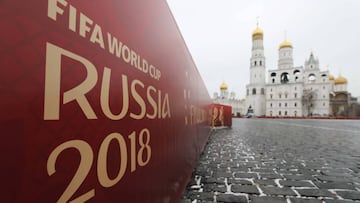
(293, 91)
(238, 105)
(255, 90)
(354, 109)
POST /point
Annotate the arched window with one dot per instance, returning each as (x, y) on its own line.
(254, 91)
(295, 112)
(284, 78)
(296, 72)
(270, 113)
(279, 113)
(273, 80)
(295, 104)
(285, 113)
(262, 91)
(324, 77)
(285, 104)
(311, 77)
(260, 63)
(255, 63)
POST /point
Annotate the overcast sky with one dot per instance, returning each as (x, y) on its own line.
(218, 35)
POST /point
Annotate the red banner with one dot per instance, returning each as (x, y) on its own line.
(221, 115)
(100, 102)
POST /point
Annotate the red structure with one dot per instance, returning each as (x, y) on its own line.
(221, 115)
(90, 107)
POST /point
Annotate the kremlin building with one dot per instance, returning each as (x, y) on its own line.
(292, 91)
(237, 105)
(288, 90)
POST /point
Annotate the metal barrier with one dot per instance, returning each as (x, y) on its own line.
(221, 115)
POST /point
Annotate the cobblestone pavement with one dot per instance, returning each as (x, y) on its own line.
(292, 161)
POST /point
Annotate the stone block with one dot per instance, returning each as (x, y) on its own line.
(231, 198)
(278, 191)
(249, 189)
(266, 199)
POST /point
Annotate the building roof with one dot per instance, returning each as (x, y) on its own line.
(340, 80)
(223, 86)
(258, 32)
(284, 44)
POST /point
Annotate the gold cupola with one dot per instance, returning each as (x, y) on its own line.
(340, 80)
(257, 33)
(223, 86)
(285, 44)
(331, 77)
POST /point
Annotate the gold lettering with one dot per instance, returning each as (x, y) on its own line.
(166, 107)
(126, 54)
(84, 28)
(114, 45)
(103, 175)
(53, 8)
(72, 18)
(104, 96)
(159, 104)
(133, 59)
(138, 99)
(145, 66)
(86, 160)
(152, 102)
(97, 36)
(52, 84)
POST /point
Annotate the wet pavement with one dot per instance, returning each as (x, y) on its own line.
(269, 160)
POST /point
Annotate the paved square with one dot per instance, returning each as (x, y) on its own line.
(279, 160)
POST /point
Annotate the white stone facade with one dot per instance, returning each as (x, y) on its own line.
(290, 91)
(255, 90)
(297, 91)
(238, 105)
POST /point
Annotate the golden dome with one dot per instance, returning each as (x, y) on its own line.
(223, 86)
(331, 77)
(257, 31)
(284, 44)
(340, 80)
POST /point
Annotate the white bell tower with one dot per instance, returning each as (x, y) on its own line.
(255, 90)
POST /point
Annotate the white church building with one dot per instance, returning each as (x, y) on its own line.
(290, 91)
(237, 105)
